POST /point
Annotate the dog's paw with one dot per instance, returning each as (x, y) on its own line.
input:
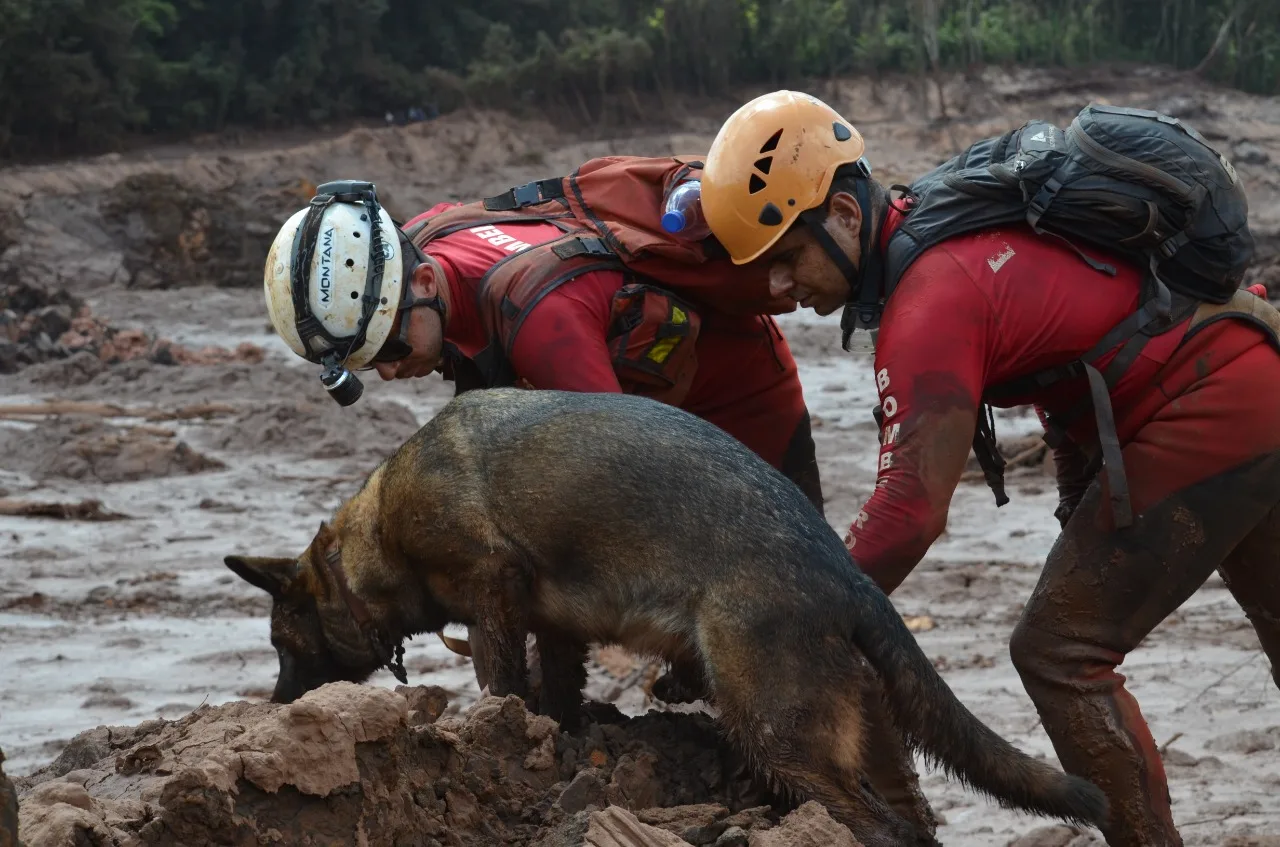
(670, 689)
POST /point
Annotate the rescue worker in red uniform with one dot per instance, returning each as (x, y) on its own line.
(1197, 417)
(431, 317)
(744, 378)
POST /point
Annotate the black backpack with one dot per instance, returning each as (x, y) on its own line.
(1138, 183)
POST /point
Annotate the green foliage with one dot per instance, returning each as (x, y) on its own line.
(82, 75)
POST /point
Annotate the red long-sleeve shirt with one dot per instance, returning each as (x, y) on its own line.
(970, 313)
(746, 383)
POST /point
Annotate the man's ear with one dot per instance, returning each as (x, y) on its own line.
(844, 207)
(273, 575)
(429, 277)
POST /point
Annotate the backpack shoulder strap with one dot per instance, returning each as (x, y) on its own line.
(1160, 312)
(536, 193)
(478, 214)
(511, 289)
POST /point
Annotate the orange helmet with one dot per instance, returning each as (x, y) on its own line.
(773, 159)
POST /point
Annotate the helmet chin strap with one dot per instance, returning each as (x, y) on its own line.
(408, 300)
(862, 309)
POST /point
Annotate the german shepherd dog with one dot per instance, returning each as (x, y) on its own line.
(608, 518)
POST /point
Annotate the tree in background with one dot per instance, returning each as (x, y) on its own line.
(80, 76)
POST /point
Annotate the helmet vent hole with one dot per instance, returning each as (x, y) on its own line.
(351, 263)
(772, 144)
(843, 133)
(356, 234)
(756, 184)
(364, 217)
(770, 215)
(355, 295)
(764, 164)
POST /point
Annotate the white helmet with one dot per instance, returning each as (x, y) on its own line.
(332, 281)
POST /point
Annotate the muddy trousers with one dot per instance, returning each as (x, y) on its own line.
(1103, 591)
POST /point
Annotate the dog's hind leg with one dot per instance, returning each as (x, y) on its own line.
(886, 761)
(564, 673)
(804, 727)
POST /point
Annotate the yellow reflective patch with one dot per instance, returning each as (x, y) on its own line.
(660, 351)
(678, 316)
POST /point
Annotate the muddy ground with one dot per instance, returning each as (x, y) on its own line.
(198, 434)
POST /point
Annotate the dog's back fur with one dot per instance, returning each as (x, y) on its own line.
(616, 519)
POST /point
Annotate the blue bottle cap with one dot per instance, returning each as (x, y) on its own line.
(673, 221)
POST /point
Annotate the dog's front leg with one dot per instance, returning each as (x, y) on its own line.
(498, 651)
(479, 662)
(501, 601)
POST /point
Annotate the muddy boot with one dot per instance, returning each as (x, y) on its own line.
(1100, 594)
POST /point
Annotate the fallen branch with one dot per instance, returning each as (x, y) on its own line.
(186, 413)
(1222, 677)
(1164, 748)
(65, 407)
(85, 510)
(110, 410)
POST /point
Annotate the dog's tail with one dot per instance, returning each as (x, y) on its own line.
(935, 722)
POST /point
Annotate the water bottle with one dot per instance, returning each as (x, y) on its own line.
(682, 214)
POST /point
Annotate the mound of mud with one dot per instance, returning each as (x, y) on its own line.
(320, 429)
(40, 326)
(97, 452)
(352, 764)
(175, 234)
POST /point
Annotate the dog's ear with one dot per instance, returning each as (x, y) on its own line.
(274, 576)
(322, 541)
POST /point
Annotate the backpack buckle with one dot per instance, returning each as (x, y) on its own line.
(527, 194)
(1041, 201)
(582, 246)
(1168, 248)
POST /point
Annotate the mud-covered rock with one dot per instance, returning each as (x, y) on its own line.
(808, 826)
(426, 702)
(699, 825)
(344, 764)
(8, 810)
(92, 451)
(1057, 836)
(616, 827)
(175, 234)
(584, 791)
(49, 325)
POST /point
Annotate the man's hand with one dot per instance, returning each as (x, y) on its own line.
(1075, 472)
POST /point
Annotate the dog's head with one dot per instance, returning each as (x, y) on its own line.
(313, 627)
